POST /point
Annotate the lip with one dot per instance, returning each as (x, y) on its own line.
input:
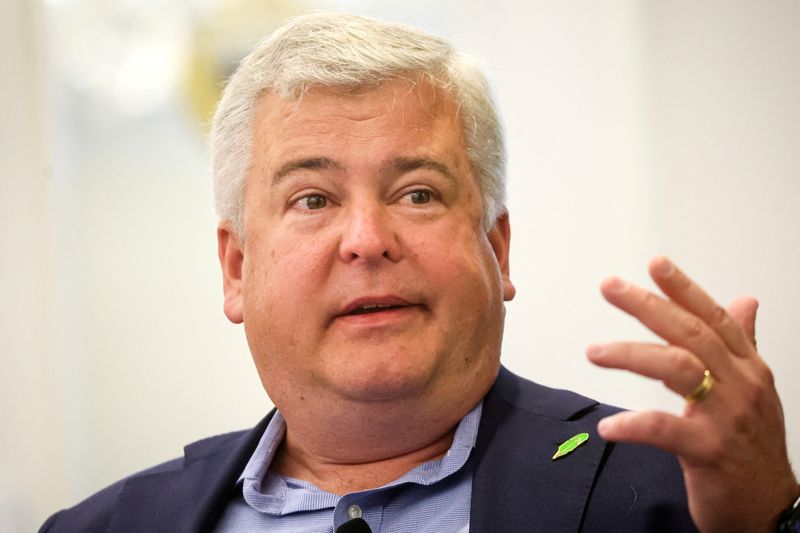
(373, 300)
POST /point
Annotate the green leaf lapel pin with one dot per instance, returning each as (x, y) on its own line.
(570, 444)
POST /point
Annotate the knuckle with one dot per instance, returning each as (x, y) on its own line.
(650, 300)
(681, 360)
(714, 449)
(754, 404)
(682, 282)
(654, 426)
(718, 316)
(755, 389)
(617, 351)
(749, 391)
(741, 420)
(764, 375)
(693, 327)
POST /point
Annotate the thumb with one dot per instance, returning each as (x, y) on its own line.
(743, 310)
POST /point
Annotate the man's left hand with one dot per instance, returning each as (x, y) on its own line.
(731, 444)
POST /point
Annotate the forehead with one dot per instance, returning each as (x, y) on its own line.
(402, 112)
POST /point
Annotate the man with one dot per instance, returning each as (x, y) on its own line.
(364, 244)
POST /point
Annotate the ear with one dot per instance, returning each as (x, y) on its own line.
(231, 257)
(500, 239)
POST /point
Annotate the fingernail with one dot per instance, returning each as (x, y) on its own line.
(663, 267)
(596, 349)
(615, 285)
(603, 426)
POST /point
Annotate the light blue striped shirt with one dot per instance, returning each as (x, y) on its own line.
(434, 497)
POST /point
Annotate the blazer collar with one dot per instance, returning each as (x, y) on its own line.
(193, 496)
(516, 485)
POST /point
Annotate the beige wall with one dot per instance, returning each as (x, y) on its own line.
(32, 468)
(634, 129)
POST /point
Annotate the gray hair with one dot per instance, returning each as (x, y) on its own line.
(350, 51)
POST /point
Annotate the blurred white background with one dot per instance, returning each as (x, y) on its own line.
(634, 129)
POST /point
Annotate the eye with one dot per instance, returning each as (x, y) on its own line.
(312, 202)
(420, 196)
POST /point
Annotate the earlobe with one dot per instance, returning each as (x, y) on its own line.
(500, 239)
(231, 258)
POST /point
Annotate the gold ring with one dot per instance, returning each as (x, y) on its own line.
(702, 390)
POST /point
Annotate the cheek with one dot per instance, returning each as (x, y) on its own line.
(281, 283)
(463, 264)
(282, 278)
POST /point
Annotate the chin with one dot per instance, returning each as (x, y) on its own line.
(383, 382)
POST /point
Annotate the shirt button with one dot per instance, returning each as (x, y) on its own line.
(354, 511)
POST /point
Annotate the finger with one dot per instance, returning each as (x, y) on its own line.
(670, 322)
(683, 437)
(743, 311)
(677, 368)
(686, 293)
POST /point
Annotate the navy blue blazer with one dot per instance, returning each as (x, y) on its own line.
(516, 485)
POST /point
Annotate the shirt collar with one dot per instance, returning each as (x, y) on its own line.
(259, 462)
(266, 492)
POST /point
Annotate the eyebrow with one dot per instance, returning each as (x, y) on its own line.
(398, 165)
(401, 165)
(308, 163)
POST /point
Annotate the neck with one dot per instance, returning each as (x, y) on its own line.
(343, 444)
(332, 474)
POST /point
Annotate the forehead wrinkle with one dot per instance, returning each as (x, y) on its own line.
(437, 105)
(364, 118)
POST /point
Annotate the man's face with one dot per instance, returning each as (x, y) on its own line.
(364, 274)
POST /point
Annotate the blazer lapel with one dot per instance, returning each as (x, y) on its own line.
(192, 497)
(516, 484)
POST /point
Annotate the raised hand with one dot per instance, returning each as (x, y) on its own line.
(730, 439)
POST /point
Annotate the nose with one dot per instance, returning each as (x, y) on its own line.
(368, 236)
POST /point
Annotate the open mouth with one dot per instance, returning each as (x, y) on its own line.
(375, 308)
(381, 307)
